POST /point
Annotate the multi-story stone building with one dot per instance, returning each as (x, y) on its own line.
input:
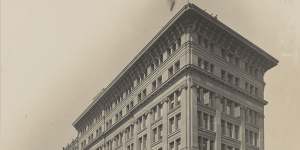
(198, 85)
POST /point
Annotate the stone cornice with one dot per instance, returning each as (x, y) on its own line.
(233, 34)
(186, 20)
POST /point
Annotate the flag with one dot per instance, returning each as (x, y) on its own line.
(171, 4)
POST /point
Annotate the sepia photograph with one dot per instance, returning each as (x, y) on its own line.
(150, 75)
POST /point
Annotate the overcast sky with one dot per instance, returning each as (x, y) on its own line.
(57, 54)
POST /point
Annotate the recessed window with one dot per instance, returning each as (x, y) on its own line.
(159, 80)
(223, 73)
(154, 85)
(170, 71)
(177, 65)
(212, 68)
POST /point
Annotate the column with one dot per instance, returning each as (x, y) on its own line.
(148, 125)
(243, 128)
(113, 143)
(123, 139)
(261, 141)
(193, 118)
(136, 139)
(218, 126)
(165, 124)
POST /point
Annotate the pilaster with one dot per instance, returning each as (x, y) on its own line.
(218, 119)
(135, 134)
(261, 132)
(243, 128)
(165, 124)
(185, 119)
(148, 125)
(193, 118)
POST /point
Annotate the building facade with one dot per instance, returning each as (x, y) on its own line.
(197, 85)
(73, 145)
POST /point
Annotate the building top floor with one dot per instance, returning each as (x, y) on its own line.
(190, 26)
(73, 145)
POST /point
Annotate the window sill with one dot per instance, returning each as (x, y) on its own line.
(173, 133)
(156, 142)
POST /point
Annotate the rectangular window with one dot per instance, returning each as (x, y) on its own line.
(255, 139)
(139, 97)
(223, 104)
(212, 68)
(199, 119)
(204, 144)
(247, 136)
(237, 81)
(212, 47)
(237, 61)
(223, 53)
(139, 123)
(153, 85)
(229, 129)
(223, 128)
(206, 65)
(230, 78)
(117, 117)
(131, 130)
(223, 73)
(206, 97)
(223, 147)
(171, 125)
(144, 93)
(140, 141)
(178, 123)
(251, 137)
(127, 108)
(159, 81)
(154, 133)
(178, 142)
(228, 107)
(120, 114)
(255, 91)
(205, 42)
(211, 124)
(177, 65)
(246, 86)
(154, 113)
(131, 104)
(236, 132)
(237, 110)
(144, 122)
(160, 128)
(178, 97)
(145, 142)
(205, 120)
(159, 110)
(171, 101)
(251, 89)
(171, 146)
(200, 63)
(169, 51)
(170, 71)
